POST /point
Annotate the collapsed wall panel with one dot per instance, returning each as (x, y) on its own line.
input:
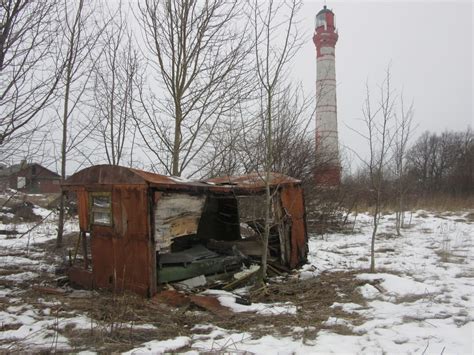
(176, 215)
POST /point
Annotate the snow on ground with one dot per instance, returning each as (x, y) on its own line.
(420, 301)
(228, 299)
(22, 260)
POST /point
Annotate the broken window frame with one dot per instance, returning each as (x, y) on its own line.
(95, 209)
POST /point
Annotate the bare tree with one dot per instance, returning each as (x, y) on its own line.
(276, 39)
(379, 134)
(81, 35)
(198, 50)
(115, 78)
(402, 134)
(28, 74)
(239, 148)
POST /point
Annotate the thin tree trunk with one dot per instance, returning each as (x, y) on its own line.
(177, 142)
(372, 244)
(268, 196)
(59, 239)
(374, 231)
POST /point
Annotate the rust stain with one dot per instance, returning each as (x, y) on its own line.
(212, 305)
(292, 201)
(82, 208)
(178, 299)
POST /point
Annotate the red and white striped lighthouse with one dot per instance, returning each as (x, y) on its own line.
(328, 171)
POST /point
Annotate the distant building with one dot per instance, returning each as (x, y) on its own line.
(29, 178)
(327, 146)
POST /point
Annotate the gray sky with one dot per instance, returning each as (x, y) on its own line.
(428, 44)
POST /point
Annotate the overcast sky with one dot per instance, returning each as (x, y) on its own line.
(428, 44)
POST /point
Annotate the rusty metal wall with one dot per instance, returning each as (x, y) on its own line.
(293, 201)
(123, 254)
(81, 277)
(83, 209)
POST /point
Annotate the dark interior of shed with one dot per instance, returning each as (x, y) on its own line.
(217, 238)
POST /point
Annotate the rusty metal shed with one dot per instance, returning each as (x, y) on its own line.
(132, 222)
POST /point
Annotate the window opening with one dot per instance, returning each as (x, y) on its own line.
(101, 208)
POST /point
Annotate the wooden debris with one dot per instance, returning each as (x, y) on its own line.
(234, 284)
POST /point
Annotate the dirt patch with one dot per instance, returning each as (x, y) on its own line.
(469, 217)
(448, 256)
(468, 273)
(22, 212)
(385, 250)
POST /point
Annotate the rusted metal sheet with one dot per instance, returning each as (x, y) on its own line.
(116, 175)
(83, 209)
(212, 305)
(122, 253)
(293, 202)
(104, 175)
(179, 299)
(173, 298)
(108, 175)
(80, 277)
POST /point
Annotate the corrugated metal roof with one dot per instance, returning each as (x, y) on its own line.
(113, 175)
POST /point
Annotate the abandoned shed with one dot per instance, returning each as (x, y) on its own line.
(140, 229)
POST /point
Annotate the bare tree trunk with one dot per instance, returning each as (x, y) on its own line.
(268, 192)
(374, 233)
(65, 118)
(380, 138)
(199, 58)
(59, 239)
(271, 57)
(177, 142)
(80, 39)
(402, 135)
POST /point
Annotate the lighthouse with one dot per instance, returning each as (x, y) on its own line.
(328, 171)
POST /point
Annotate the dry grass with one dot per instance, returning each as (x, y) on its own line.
(116, 318)
(441, 203)
(437, 203)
